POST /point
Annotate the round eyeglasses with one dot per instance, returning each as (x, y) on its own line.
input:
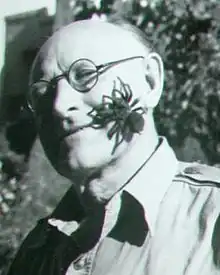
(82, 75)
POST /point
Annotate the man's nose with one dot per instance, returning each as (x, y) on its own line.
(67, 100)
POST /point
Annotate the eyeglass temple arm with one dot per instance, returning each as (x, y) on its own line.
(102, 68)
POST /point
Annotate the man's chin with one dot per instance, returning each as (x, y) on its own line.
(80, 166)
(73, 174)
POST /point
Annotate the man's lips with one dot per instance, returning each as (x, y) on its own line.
(73, 131)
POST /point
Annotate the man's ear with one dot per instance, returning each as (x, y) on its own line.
(154, 74)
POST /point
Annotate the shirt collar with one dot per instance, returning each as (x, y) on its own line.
(152, 182)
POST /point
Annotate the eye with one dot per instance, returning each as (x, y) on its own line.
(36, 91)
(82, 69)
(83, 75)
(38, 88)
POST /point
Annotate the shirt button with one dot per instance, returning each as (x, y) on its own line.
(79, 263)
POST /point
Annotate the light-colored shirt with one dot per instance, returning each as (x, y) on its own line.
(166, 221)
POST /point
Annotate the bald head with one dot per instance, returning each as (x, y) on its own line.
(95, 40)
(100, 36)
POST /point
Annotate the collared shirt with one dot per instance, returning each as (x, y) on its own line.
(152, 182)
(166, 222)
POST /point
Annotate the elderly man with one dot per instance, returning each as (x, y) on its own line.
(133, 209)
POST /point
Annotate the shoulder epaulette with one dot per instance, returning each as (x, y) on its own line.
(199, 174)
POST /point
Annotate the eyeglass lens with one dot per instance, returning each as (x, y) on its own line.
(83, 75)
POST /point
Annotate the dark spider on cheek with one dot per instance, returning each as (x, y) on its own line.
(122, 110)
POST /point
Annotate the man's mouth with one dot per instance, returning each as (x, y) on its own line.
(73, 131)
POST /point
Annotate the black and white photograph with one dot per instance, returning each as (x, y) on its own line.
(110, 137)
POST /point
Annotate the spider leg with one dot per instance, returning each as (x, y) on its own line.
(122, 125)
(90, 113)
(116, 94)
(121, 86)
(115, 91)
(96, 110)
(135, 102)
(124, 92)
(139, 109)
(122, 130)
(128, 91)
(105, 98)
(117, 141)
(115, 145)
(114, 85)
(121, 90)
(112, 130)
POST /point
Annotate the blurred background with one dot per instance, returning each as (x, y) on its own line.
(186, 33)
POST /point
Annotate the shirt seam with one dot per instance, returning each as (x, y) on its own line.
(197, 183)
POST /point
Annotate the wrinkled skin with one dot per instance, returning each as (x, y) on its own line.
(60, 108)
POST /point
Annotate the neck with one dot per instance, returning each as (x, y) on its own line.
(104, 185)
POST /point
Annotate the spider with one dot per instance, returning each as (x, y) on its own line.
(120, 109)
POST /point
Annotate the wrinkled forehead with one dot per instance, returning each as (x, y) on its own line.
(99, 41)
